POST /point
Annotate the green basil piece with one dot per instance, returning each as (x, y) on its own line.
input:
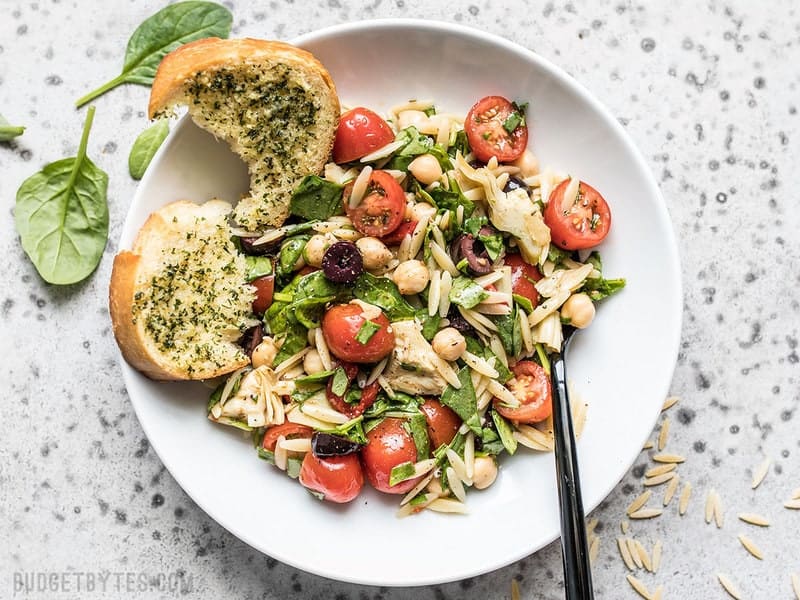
(62, 216)
(8, 132)
(316, 198)
(145, 147)
(417, 427)
(509, 332)
(340, 382)
(401, 472)
(467, 293)
(366, 331)
(162, 33)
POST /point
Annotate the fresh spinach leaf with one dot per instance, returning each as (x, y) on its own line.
(478, 349)
(308, 380)
(402, 403)
(290, 253)
(293, 466)
(62, 216)
(595, 260)
(449, 199)
(417, 427)
(401, 472)
(556, 255)
(258, 266)
(353, 430)
(490, 442)
(162, 33)
(8, 132)
(316, 198)
(430, 324)
(463, 400)
(366, 331)
(509, 332)
(383, 292)
(467, 293)
(295, 338)
(505, 432)
(145, 147)
(459, 144)
(599, 288)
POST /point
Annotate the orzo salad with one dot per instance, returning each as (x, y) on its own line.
(409, 305)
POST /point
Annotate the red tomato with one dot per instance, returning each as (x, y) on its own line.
(394, 238)
(523, 277)
(338, 478)
(486, 132)
(443, 423)
(368, 394)
(265, 287)
(288, 430)
(531, 386)
(388, 445)
(360, 132)
(381, 209)
(583, 223)
(341, 325)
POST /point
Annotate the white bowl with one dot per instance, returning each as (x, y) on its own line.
(622, 365)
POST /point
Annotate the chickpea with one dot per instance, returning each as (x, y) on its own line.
(312, 363)
(315, 250)
(528, 164)
(449, 343)
(421, 210)
(484, 473)
(374, 253)
(264, 354)
(411, 117)
(411, 276)
(579, 310)
(425, 168)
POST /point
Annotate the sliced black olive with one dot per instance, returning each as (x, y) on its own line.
(342, 262)
(250, 248)
(458, 322)
(325, 444)
(466, 246)
(515, 183)
(252, 338)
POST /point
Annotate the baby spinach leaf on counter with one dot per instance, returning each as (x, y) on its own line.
(467, 293)
(366, 331)
(162, 33)
(258, 266)
(8, 132)
(599, 288)
(316, 198)
(145, 147)
(383, 292)
(62, 216)
(505, 432)
(463, 400)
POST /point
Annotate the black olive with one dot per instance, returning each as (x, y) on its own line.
(458, 322)
(325, 444)
(342, 262)
(466, 246)
(252, 338)
(476, 164)
(515, 183)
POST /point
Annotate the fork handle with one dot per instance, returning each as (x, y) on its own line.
(574, 547)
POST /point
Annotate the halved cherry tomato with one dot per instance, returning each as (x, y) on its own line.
(394, 238)
(523, 277)
(290, 431)
(388, 445)
(341, 325)
(583, 223)
(531, 386)
(485, 126)
(265, 288)
(443, 423)
(382, 208)
(338, 478)
(368, 394)
(360, 132)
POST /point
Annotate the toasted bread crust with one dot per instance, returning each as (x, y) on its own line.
(210, 53)
(126, 277)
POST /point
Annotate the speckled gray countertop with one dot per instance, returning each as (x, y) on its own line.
(709, 93)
